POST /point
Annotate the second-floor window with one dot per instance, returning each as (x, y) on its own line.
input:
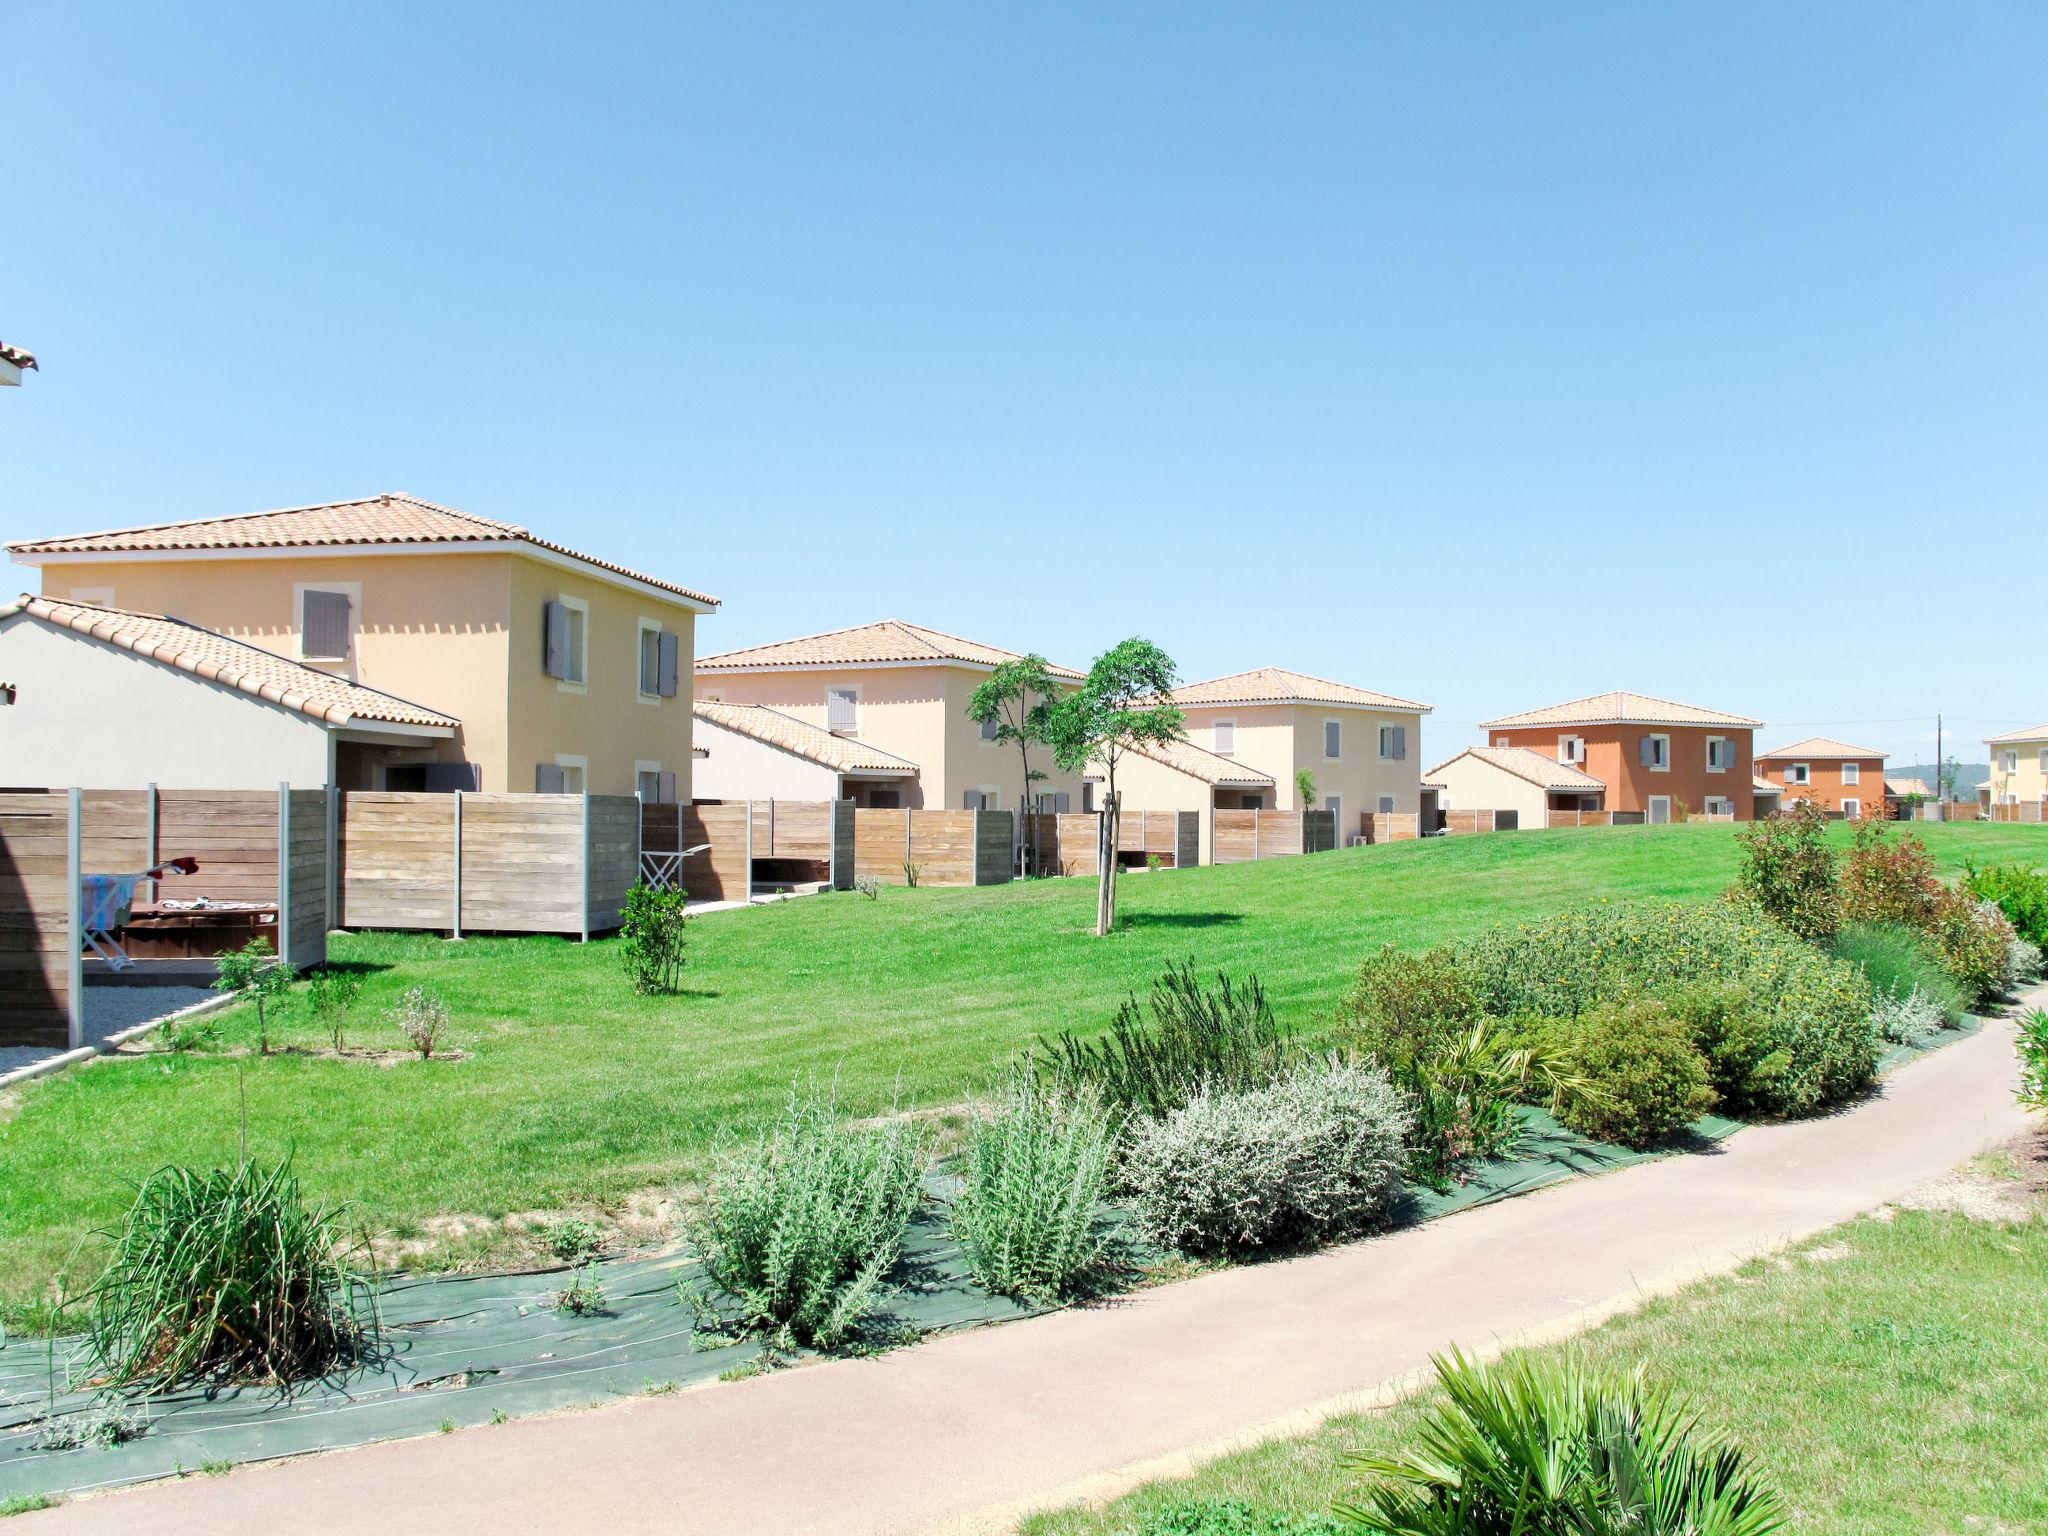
(660, 661)
(1852, 773)
(2009, 762)
(1656, 752)
(1720, 754)
(1225, 741)
(326, 623)
(842, 711)
(1799, 773)
(1393, 743)
(1333, 739)
(1570, 749)
(566, 630)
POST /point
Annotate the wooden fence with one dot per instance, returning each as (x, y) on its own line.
(2027, 812)
(945, 847)
(1238, 837)
(1065, 844)
(42, 997)
(797, 839)
(1392, 827)
(1458, 823)
(497, 863)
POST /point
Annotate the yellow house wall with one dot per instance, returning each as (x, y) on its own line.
(2026, 783)
(1278, 739)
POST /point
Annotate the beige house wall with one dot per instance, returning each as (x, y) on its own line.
(1152, 786)
(1279, 739)
(90, 715)
(1473, 784)
(458, 633)
(2026, 782)
(917, 713)
(738, 767)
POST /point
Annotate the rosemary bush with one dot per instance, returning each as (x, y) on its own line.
(1037, 1168)
(229, 1276)
(799, 1230)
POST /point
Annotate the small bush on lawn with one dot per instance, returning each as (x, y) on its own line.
(228, 1276)
(1037, 1169)
(1313, 1156)
(800, 1230)
(1799, 1039)
(2021, 894)
(1404, 1005)
(333, 993)
(652, 925)
(421, 1019)
(1789, 872)
(1640, 1074)
(1232, 1517)
(1222, 1038)
(1888, 879)
(1907, 1020)
(254, 972)
(1529, 1448)
(1975, 942)
(1899, 962)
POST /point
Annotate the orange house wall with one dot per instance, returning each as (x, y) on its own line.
(1614, 756)
(1827, 789)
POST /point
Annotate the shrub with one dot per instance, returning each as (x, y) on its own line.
(1231, 1517)
(801, 1229)
(228, 1276)
(1888, 880)
(255, 972)
(1036, 1172)
(2021, 894)
(1975, 942)
(574, 1239)
(1785, 1027)
(1788, 871)
(2024, 963)
(1223, 1039)
(584, 1295)
(2033, 1049)
(1905, 1020)
(1898, 963)
(1462, 1099)
(1313, 1156)
(1640, 1074)
(421, 1018)
(333, 994)
(1404, 1005)
(106, 1423)
(1530, 1448)
(652, 923)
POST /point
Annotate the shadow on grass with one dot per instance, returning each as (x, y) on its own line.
(1180, 919)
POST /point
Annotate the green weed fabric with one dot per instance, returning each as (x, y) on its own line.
(465, 1349)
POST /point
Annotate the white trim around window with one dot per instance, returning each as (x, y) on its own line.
(1223, 737)
(575, 768)
(1656, 817)
(1662, 754)
(1570, 749)
(1718, 755)
(1852, 773)
(1852, 807)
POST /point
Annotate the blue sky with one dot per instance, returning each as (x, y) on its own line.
(1487, 355)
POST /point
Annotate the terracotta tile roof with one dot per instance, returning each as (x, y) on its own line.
(1899, 789)
(1543, 772)
(1823, 748)
(391, 519)
(772, 726)
(2032, 733)
(1620, 709)
(231, 663)
(891, 640)
(1277, 685)
(1765, 786)
(16, 356)
(1200, 763)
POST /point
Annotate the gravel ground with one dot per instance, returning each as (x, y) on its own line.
(108, 1011)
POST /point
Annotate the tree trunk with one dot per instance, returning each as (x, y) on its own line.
(1024, 809)
(1106, 861)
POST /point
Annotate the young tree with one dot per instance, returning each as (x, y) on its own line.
(1121, 705)
(1016, 699)
(1305, 788)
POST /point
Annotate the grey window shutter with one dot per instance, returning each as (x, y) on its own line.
(1059, 803)
(1648, 752)
(671, 663)
(971, 800)
(555, 648)
(325, 619)
(1333, 738)
(989, 727)
(839, 710)
(1400, 743)
(547, 779)
(667, 792)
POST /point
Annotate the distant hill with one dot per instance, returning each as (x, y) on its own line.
(1968, 775)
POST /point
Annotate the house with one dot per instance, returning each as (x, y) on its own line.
(14, 363)
(1842, 780)
(1516, 779)
(1652, 756)
(1180, 776)
(1769, 797)
(2019, 769)
(564, 671)
(116, 699)
(752, 752)
(899, 690)
(1362, 748)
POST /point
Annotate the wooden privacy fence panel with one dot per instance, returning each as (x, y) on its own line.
(1065, 843)
(818, 832)
(397, 860)
(1236, 837)
(521, 864)
(725, 872)
(39, 938)
(233, 835)
(114, 834)
(2027, 812)
(947, 847)
(1458, 823)
(302, 908)
(1580, 819)
(1318, 831)
(1392, 826)
(612, 852)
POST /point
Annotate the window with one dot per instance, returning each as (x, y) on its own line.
(1393, 743)
(565, 630)
(1334, 804)
(1087, 798)
(1799, 773)
(654, 786)
(1852, 808)
(1719, 754)
(1500, 741)
(1852, 773)
(327, 620)
(2044, 759)
(1223, 738)
(1251, 802)
(1656, 753)
(661, 655)
(1720, 805)
(564, 776)
(1570, 749)
(885, 800)
(1660, 810)
(1052, 802)
(983, 799)
(990, 727)
(1386, 805)
(2009, 762)
(842, 711)
(1333, 739)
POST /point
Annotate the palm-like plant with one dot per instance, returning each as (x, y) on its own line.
(1527, 1448)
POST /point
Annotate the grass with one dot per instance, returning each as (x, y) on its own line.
(1885, 1377)
(574, 1091)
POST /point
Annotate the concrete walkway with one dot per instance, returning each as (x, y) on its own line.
(965, 1432)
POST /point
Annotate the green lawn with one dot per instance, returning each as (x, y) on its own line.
(1887, 1375)
(578, 1093)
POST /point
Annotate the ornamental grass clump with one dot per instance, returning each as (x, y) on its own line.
(800, 1230)
(1222, 1038)
(1036, 1171)
(1907, 1020)
(230, 1276)
(1315, 1156)
(1531, 1448)
(1899, 963)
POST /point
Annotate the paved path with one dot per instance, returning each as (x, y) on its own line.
(960, 1433)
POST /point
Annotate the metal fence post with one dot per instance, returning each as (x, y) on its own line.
(284, 871)
(74, 912)
(455, 904)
